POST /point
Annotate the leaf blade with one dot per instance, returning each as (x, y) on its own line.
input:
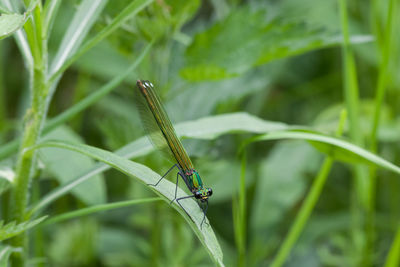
(12, 229)
(349, 147)
(164, 189)
(10, 23)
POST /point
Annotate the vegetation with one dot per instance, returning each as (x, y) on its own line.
(288, 110)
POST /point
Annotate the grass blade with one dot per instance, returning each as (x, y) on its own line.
(165, 189)
(131, 10)
(87, 14)
(335, 142)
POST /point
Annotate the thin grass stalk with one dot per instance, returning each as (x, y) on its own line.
(2, 89)
(393, 258)
(308, 205)
(383, 77)
(375, 22)
(156, 227)
(242, 212)
(239, 214)
(50, 10)
(385, 47)
(351, 91)
(359, 195)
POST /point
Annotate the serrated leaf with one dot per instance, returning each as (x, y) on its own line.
(166, 17)
(246, 39)
(165, 189)
(12, 229)
(182, 10)
(10, 23)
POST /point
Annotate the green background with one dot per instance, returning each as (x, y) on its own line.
(321, 78)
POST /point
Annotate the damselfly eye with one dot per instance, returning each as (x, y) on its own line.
(148, 84)
(197, 195)
(209, 192)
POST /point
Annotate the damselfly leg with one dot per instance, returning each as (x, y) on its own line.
(175, 165)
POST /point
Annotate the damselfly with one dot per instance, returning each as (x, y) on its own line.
(162, 134)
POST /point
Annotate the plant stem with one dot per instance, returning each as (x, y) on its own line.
(359, 198)
(383, 78)
(350, 76)
(241, 220)
(385, 47)
(33, 121)
(156, 235)
(2, 95)
(393, 258)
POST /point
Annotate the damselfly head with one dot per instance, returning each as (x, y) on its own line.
(144, 83)
(203, 194)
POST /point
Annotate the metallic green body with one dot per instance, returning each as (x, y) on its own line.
(167, 134)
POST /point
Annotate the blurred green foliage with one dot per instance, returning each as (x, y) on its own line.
(276, 60)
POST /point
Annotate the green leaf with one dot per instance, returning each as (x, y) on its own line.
(165, 189)
(5, 252)
(12, 229)
(339, 154)
(20, 36)
(214, 126)
(224, 51)
(203, 72)
(205, 128)
(3, 9)
(181, 10)
(130, 11)
(10, 23)
(333, 143)
(165, 20)
(66, 165)
(230, 92)
(87, 13)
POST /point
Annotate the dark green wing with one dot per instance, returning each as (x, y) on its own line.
(158, 125)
